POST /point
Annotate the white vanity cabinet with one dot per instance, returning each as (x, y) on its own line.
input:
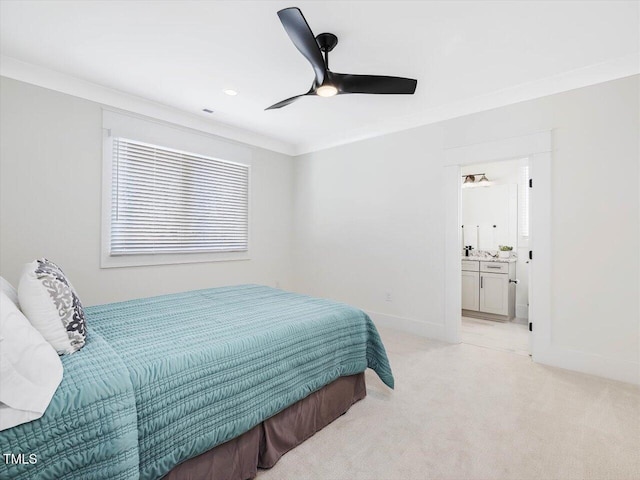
(471, 290)
(470, 285)
(494, 293)
(488, 289)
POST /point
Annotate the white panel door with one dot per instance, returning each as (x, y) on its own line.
(470, 290)
(494, 293)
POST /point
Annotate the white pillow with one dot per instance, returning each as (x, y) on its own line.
(30, 369)
(52, 306)
(11, 292)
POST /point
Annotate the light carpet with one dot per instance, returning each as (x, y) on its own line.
(511, 336)
(468, 412)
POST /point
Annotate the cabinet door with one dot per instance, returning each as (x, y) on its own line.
(494, 293)
(471, 290)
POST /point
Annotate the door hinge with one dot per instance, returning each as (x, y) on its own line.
(530, 254)
(531, 183)
(530, 327)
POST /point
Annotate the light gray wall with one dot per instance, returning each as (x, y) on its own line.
(369, 217)
(50, 204)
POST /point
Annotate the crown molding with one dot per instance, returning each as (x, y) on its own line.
(60, 82)
(571, 80)
(593, 74)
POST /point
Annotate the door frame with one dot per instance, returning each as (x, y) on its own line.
(537, 147)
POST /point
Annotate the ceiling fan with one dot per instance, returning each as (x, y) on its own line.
(326, 82)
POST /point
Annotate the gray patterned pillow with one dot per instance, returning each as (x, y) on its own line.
(51, 304)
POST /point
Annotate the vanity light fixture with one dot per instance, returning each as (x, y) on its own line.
(470, 180)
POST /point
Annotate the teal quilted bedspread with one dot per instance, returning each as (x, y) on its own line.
(206, 366)
(90, 428)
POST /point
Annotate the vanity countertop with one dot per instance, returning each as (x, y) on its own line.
(472, 258)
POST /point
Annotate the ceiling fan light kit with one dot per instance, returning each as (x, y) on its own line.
(327, 91)
(326, 82)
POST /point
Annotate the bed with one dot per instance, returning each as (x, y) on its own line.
(163, 381)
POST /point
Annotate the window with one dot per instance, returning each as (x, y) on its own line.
(166, 201)
(524, 201)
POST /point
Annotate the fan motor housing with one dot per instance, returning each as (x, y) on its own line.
(327, 41)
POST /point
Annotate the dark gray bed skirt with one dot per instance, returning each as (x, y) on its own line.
(263, 445)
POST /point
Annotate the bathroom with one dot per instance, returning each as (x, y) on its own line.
(495, 255)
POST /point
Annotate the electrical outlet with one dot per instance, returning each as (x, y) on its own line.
(387, 297)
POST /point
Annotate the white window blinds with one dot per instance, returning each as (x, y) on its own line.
(168, 201)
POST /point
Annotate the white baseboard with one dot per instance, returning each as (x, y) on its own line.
(593, 364)
(425, 329)
(522, 311)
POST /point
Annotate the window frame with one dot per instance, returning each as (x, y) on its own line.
(147, 259)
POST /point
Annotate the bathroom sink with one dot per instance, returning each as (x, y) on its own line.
(488, 258)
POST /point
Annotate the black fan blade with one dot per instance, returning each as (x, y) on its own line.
(302, 37)
(286, 102)
(379, 84)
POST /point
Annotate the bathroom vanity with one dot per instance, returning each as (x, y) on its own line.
(489, 288)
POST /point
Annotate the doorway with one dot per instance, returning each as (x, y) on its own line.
(495, 267)
(537, 148)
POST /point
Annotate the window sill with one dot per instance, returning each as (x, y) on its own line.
(121, 261)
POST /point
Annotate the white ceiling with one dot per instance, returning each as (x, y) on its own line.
(467, 56)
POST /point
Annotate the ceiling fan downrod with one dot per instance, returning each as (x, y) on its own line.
(326, 42)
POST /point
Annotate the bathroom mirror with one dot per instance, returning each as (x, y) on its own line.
(490, 216)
